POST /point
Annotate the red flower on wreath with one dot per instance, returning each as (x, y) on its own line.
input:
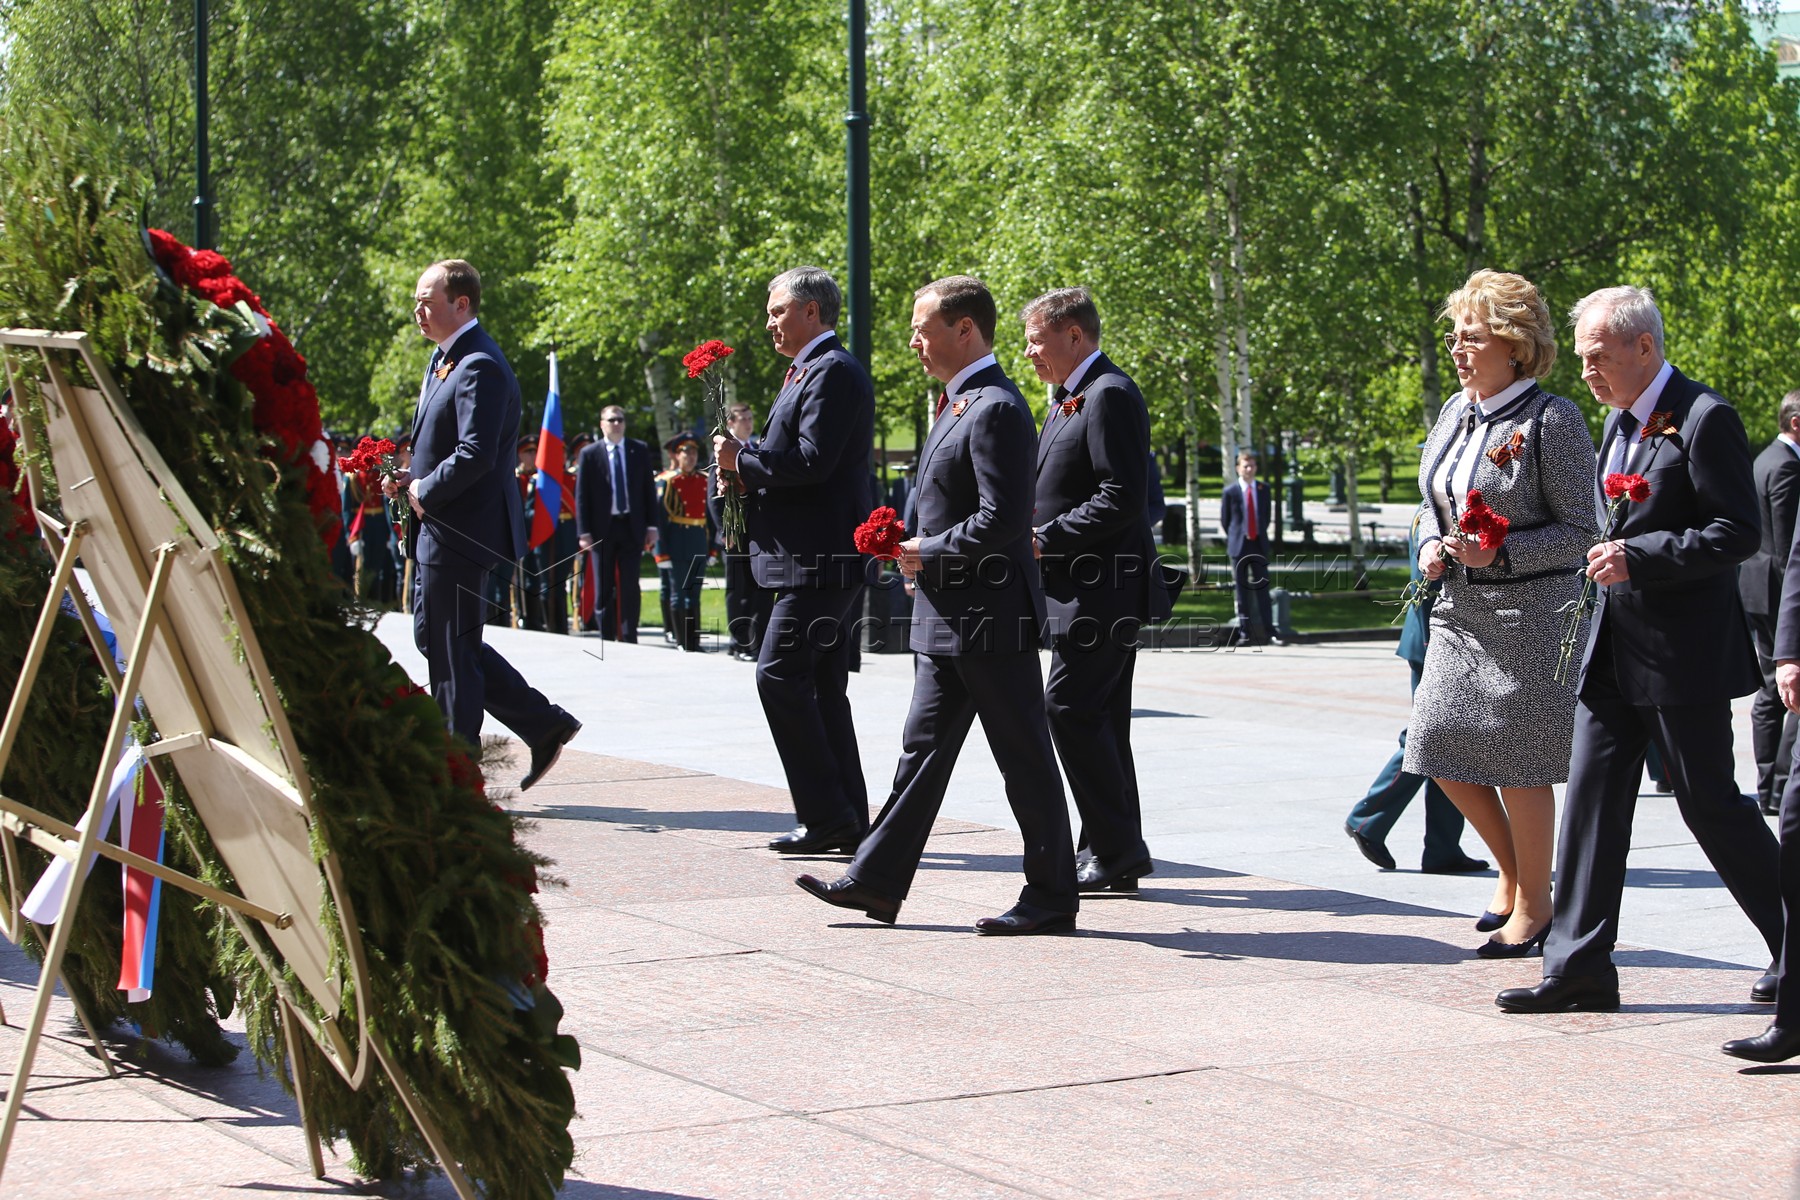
(1481, 522)
(703, 356)
(285, 408)
(17, 518)
(881, 534)
(1633, 487)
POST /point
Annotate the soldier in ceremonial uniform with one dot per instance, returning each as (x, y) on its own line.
(681, 536)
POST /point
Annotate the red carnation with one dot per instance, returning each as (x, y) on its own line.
(1633, 487)
(881, 534)
(1481, 522)
(703, 356)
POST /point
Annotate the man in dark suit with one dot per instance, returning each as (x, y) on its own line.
(746, 605)
(1244, 511)
(1374, 815)
(463, 490)
(807, 489)
(977, 624)
(1098, 562)
(1668, 649)
(1759, 584)
(615, 521)
(1781, 1040)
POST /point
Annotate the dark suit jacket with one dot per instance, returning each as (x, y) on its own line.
(465, 446)
(808, 478)
(1677, 627)
(978, 587)
(1093, 470)
(1778, 498)
(1233, 519)
(593, 490)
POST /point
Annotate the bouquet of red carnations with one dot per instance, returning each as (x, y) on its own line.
(881, 535)
(1619, 488)
(703, 363)
(1478, 521)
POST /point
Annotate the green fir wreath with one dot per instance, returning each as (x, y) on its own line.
(436, 873)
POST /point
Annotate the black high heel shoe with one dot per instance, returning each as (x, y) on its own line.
(1532, 947)
(1491, 921)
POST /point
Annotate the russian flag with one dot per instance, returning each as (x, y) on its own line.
(555, 492)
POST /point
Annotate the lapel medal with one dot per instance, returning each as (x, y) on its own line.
(1072, 405)
(1506, 451)
(956, 410)
(1660, 424)
(443, 372)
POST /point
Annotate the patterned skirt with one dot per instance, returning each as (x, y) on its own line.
(1489, 709)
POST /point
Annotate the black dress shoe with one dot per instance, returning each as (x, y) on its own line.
(1772, 1045)
(1531, 947)
(1371, 849)
(1095, 876)
(828, 841)
(847, 893)
(1027, 918)
(1491, 920)
(1766, 989)
(1563, 993)
(546, 752)
(1456, 866)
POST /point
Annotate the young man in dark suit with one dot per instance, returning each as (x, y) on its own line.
(1244, 517)
(615, 520)
(1759, 584)
(977, 625)
(462, 488)
(1098, 564)
(807, 489)
(1668, 649)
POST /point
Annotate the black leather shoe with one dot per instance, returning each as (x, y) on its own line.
(1771, 808)
(828, 841)
(1094, 876)
(1371, 849)
(1766, 989)
(1491, 920)
(1531, 947)
(1027, 918)
(847, 893)
(546, 752)
(1772, 1045)
(1562, 993)
(1456, 866)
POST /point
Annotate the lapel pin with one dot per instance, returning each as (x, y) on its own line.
(443, 372)
(956, 410)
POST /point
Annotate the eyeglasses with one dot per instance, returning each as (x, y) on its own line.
(1455, 341)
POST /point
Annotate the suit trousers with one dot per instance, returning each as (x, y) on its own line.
(619, 598)
(1087, 699)
(1250, 585)
(746, 604)
(1394, 788)
(1787, 1003)
(949, 692)
(1772, 726)
(1605, 770)
(802, 676)
(467, 675)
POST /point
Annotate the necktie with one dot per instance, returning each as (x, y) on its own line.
(789, 377)
(943, 399)
(1624, 437)
(1250, 528)
(620, 504)
(437, 356)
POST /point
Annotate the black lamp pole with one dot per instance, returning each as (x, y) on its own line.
(856, 123)
(202, 162)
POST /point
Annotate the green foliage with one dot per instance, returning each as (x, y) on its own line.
(436, 877)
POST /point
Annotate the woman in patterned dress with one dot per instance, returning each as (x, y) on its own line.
(1490, 721)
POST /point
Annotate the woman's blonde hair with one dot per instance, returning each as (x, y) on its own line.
(1513, 310)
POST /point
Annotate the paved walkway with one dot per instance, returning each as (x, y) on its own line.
(1247, 1027)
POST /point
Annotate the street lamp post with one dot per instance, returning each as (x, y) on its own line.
(202, 163)
(856, 123)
